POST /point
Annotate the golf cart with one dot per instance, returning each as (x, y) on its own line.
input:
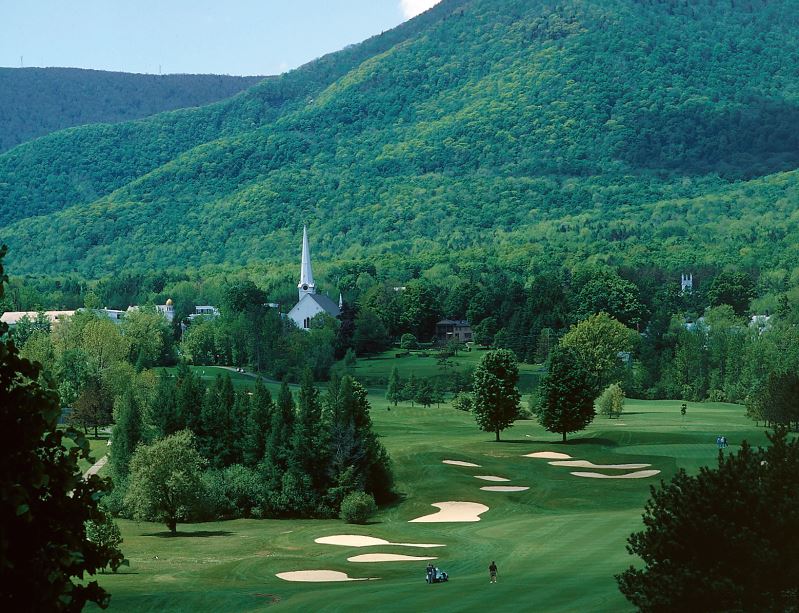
(436, 575)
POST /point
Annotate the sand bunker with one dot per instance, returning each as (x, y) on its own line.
(387, 557)
(356, 540)
(454, 512)
(548, 455)
(319, 576)
(504, 488)
(490, 478)
(641, 474)
(459, 463)
(587, 464)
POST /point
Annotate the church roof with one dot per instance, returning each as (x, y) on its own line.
(328, 306)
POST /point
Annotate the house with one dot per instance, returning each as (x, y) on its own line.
(453, 329)
(210, 312)
(12, 318)
(310, 303)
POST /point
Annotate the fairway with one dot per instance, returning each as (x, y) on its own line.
(557, 544)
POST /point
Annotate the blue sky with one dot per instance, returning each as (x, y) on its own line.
(237, 37)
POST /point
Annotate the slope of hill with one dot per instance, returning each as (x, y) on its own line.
(630, 131)
(37, 101)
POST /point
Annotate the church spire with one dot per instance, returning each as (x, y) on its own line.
(306, 284)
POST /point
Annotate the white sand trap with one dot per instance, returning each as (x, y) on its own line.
(548, 455)
(504, 488)
(356, 540)
(319, 576)
(641, 474)
(587, 464)
(454, 512)
(459, 463)
(388, 557)
(490, 478)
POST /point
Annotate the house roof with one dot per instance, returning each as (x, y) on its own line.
(12, 317)
(453, 322)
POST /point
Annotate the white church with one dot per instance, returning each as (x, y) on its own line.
(310, 303)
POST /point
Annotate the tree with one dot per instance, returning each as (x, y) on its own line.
(127, 433)
(597, 341)
(92, 407)
(370, 334)
(438, 392)
(259, 424)
(611, 401)
(165, 480)
(148, 335)
(410, 389)
(496, 399)
(44, 501)
(104, 533)
(103, 343)
(408, 341)
(424, 393)
(394, 389)
(723, 539)
(463, 401)
(566, 393)
(733, 288)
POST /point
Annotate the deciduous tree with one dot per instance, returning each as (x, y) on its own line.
(496, 399)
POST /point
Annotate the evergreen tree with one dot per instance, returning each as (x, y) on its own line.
(164, 413)
(394, 390)
(127, 433)
(438, 392)
(307, 448)
(496, 399)
(189, 398)
(238, 428)
(724, 539)
(259, 424)
(410, 389)
(566, 393)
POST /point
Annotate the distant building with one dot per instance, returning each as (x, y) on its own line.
(760, 322)
(12, 317)
(686, 283)
(310, 303)
(210, 312)
(453, 329)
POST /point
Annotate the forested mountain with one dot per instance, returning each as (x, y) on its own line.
(37, 101)
(628, 131)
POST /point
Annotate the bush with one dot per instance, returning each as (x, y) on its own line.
(357, 508)
(611, 401)
(408, 341)
(464, 401)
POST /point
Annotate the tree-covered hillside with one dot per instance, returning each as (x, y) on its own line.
(626, 131)
(37, 101)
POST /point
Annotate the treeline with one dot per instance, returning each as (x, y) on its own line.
(292, 456)
(37, 101)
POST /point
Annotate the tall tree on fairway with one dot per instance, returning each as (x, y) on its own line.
(165, 480)
(127, 433)
(725, 539)
(496, 399)
(566, 393)
(394, 390)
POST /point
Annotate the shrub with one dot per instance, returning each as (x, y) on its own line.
(611, 401)
(464, 401)
(357, 508)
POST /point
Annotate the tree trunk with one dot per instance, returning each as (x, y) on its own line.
(497, 431)
(564, 437)
(172, 524)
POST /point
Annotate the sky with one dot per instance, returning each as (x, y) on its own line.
(236, 37)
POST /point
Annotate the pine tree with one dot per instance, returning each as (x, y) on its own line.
(306, 438)
(164, 414)
(410, 389)
(259, 424)
(424, 393)
(394, 390)
(127, 433)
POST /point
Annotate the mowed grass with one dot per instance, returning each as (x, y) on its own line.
(425, 364)
(557, 545)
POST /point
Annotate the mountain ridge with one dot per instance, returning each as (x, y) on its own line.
(488, 119)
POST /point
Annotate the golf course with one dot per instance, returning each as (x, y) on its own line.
(557, 545)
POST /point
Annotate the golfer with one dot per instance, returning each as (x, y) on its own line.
(492, 572)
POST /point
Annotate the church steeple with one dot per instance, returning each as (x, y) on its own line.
(306, 284)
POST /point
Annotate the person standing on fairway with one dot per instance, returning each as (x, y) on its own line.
(492, 572)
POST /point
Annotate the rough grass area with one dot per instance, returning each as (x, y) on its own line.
(557, 544)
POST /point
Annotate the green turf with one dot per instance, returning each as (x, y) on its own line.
(557, 545)
(425, 364)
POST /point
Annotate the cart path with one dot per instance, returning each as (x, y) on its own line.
(96, 467)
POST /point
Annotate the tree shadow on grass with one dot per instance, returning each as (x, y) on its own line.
(573, 442)
(198, 534)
